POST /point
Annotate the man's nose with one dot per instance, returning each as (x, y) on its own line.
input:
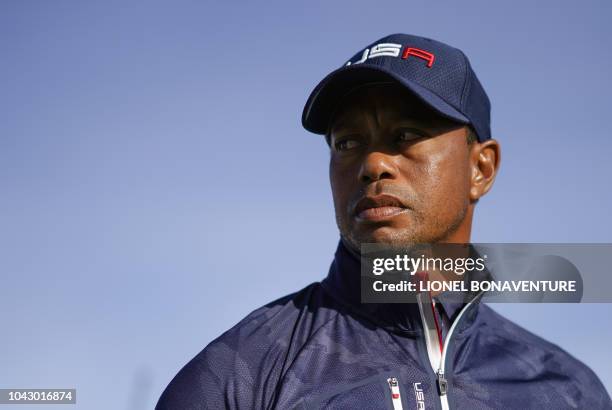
(375, 166)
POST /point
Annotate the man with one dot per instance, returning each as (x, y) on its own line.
(407, 122)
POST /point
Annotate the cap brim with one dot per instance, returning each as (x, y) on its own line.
(324, 98)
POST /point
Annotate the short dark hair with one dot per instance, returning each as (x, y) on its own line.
(471, 135)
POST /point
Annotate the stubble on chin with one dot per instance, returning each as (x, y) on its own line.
(425, 229)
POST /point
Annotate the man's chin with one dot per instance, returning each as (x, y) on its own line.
(387, 236)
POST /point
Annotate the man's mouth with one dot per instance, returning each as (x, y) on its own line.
(378, 208)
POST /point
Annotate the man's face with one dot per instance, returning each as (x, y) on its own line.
(399, 173)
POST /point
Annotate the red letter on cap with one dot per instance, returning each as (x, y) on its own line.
(417, 52)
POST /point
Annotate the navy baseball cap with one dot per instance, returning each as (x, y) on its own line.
(439, 75)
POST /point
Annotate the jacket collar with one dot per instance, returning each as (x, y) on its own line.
(343, 282)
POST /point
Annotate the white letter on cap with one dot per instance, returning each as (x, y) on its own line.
(385, 49)
(364, 57)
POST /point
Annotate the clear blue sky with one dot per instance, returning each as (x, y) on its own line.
(157, 185)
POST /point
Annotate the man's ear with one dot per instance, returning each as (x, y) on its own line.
(484, 163)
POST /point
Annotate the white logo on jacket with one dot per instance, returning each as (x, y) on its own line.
(420, 396)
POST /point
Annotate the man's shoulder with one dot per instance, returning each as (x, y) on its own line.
(243, 364)
(275, 323)
(541, 356)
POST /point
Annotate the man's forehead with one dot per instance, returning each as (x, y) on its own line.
(386, 100)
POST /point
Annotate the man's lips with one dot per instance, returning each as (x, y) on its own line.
(378, 208)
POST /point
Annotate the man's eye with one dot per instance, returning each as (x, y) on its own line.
(410, 134)
(346, 144)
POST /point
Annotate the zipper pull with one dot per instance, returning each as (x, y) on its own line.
(395, 393)
(442, 383)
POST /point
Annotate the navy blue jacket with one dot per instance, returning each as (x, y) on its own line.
(321, 348)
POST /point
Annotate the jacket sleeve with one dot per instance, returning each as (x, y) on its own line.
(242, 368)
(200, 384)
(239, 370)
